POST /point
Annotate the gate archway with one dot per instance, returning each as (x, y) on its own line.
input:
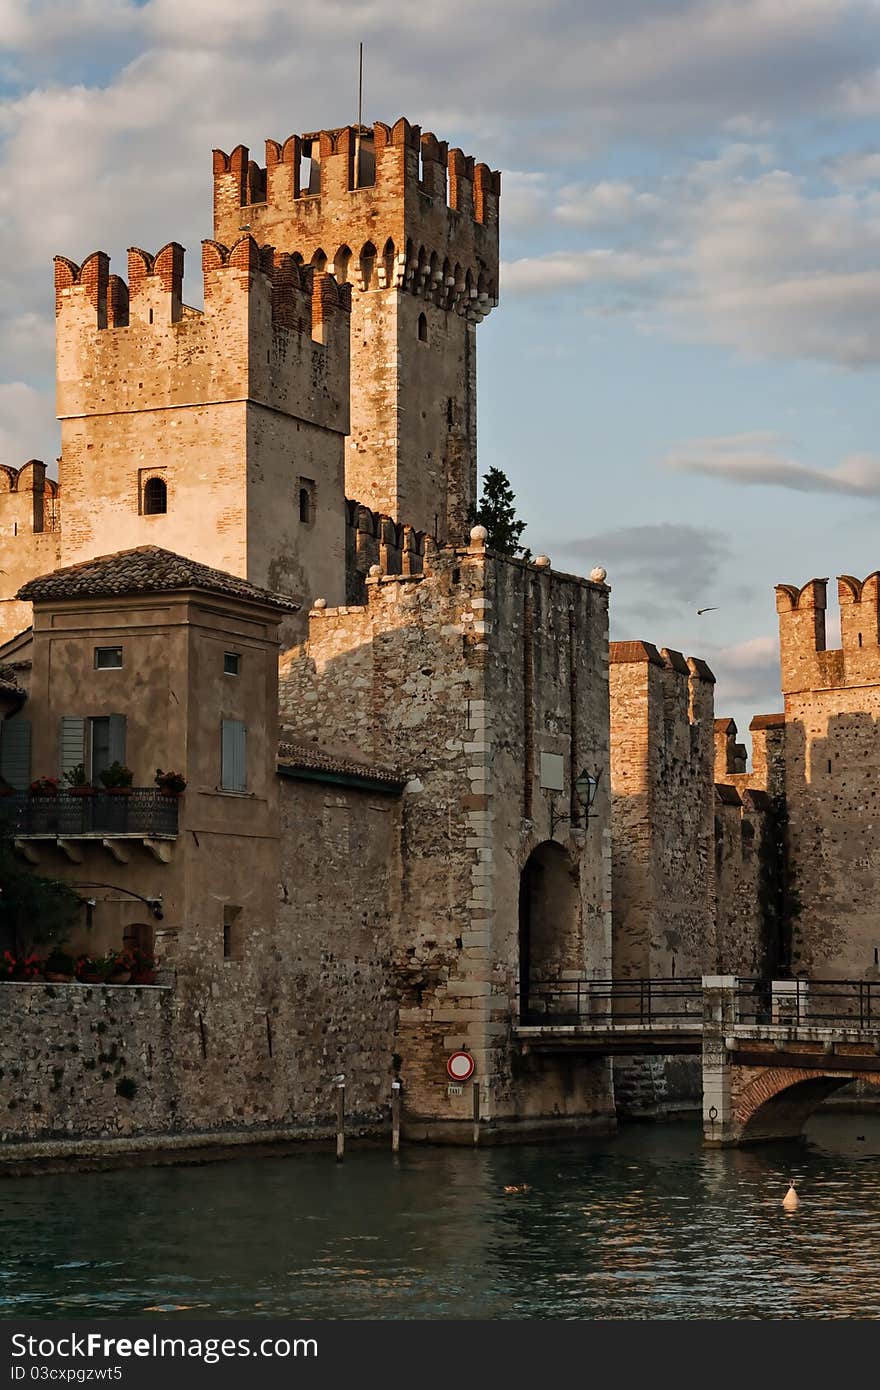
(550, 938)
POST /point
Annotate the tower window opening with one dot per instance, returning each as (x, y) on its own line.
(306, 501)
(423, 328)
(155, 496)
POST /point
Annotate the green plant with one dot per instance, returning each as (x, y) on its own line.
(58, 962)
(116, 775)
(88, 968)
(497, 513)
(76, 776)
(174, 782)
(33, 910)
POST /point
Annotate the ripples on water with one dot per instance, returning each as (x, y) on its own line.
(644, 1225)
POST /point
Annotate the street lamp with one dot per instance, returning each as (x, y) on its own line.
(585, 789)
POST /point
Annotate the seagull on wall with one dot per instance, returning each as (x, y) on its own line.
(701, 611)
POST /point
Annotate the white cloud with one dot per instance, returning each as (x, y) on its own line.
(731, 252)
(607, 203)
(22, 412)
(756, 460)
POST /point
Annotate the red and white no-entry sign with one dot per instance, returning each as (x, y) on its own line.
(460, 1066)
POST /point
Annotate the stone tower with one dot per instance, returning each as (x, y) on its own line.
(218, 434)
(413, 227)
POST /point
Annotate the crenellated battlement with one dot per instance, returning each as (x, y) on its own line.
(30, 502)
(372, 538)
(383, 206)
(806, 661)
(301, 297)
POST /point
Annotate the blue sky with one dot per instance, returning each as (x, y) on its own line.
(681, 377)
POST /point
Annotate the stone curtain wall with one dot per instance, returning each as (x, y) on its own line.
(65, 1050)
(340, 899)
(461, 677)
(832, 778)
(664, 864)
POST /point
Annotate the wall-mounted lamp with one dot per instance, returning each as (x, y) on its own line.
(585, 788)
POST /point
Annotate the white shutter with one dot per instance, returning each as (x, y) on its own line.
(72, 743)
(15, 753)
(233, 763)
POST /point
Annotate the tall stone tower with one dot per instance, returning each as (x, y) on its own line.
(413, 226)
(218, 433)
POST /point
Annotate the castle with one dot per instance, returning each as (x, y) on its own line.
(420, 781)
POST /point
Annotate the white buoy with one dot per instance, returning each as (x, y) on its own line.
(791, 1201)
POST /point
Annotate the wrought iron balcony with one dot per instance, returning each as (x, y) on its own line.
(137, 812)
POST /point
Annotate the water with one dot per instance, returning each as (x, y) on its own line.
(644, 1225)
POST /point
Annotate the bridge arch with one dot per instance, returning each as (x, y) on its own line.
(550, 935)
(776, 1102)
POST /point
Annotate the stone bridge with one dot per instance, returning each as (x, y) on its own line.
(762, 1080)
(772, 1051)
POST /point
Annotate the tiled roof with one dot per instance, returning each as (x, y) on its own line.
(309, 757)
(9, 682)
(146, 570)
(634, 651)
(727, 795)
(767, 721)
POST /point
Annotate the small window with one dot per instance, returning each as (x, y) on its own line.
(423, 328)
(306, 500)
(108, 658)
(230, 663)
(155, 496)
(233, 944)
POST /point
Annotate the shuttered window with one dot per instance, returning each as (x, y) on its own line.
(15, 753)
(233, 765)
(104, 745)
(72, 744)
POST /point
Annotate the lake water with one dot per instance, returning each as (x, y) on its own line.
(643, 1225)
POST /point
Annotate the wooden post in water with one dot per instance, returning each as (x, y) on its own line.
(475, 1090)
(395, 1117)
(340, 1121)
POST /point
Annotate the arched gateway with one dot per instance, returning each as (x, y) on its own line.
(550, 935)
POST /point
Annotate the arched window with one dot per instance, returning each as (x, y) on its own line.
(368, 266)
(423, 328)
(155, 496)
(319, 261)
(340, 264)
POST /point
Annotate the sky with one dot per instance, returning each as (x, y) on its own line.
(681, 378)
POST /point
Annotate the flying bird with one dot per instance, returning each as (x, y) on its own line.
(701, 611)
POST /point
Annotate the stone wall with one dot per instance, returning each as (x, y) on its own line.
(466, 678)
(662, 731)
(85, 1063)
(832, 778)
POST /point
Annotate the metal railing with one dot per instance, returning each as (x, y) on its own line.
(67, 815)
(807, 1002)
(646, 1002)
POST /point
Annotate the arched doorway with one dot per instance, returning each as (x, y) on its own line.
(550, 938)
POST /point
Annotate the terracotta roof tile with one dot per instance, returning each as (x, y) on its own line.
(9, 682)
(767, 721)
(145, 570)
(308, 756)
